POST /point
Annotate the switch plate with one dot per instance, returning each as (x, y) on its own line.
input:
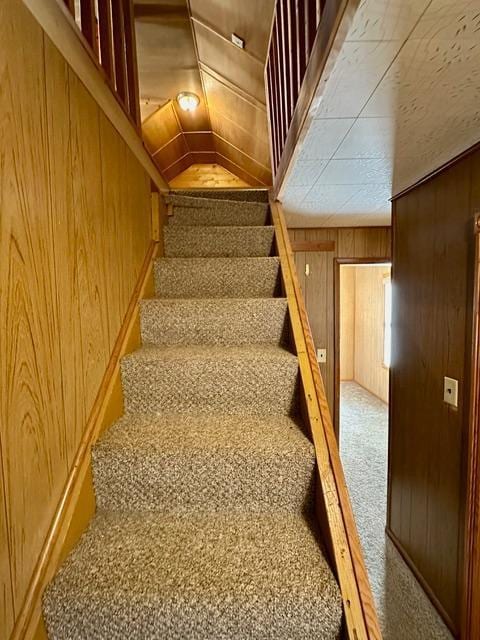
(450, 391)
(307, 269)
(322, 355)
(237, 41)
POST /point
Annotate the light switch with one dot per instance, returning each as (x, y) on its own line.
(307, 269)
(450, 391)
(322, 355)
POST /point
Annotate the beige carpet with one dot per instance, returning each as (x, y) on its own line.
(204, 488)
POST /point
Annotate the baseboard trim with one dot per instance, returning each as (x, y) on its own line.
(77, 503)
(423, 583)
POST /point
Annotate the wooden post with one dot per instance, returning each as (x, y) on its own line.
(131, 61)
(106, 44)
(89, 23)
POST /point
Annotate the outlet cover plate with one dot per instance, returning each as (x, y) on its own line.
(450, 391)
(322, 355)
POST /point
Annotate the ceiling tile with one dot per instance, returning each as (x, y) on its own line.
(306, 172)
(356, 171)
(369, 138)
(323, 138)
(357, 71)
(368, 200)
(449, 20)
(385, 19)
(327, 198)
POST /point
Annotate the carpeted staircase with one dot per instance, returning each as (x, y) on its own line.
(204, 526)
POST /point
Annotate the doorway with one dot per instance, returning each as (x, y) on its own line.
(363, 315)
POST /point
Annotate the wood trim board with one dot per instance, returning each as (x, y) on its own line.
(338, 524)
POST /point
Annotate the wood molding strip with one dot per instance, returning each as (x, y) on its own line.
(471, 573)
(58, 24)
(311, 245)
(262, 166)
(231, 162)
(219, 35)
(241, 93)
(107, 407)
(360, 615)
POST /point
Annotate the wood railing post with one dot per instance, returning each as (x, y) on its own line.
(106, 38)
(131, 61)
(88, 21)
(118, 26)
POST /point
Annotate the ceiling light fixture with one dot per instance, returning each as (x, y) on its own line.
(188, 101)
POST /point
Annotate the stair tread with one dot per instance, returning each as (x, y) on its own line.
(211, 353)
(162, 434)
(202, 576)
(218, 241)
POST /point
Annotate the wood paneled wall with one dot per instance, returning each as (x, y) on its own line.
(74, 231)
(433, 262)
(370, 371)
(319, 287)
(347, 322)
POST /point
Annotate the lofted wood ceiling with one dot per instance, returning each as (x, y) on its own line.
(185, 45)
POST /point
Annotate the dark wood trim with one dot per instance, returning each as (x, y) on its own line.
(70, 4)
(311, 245)
(88, 21)
(338, 262)
(119, 51)
(420, 579)
(471, 574)
(435, 172)
(106, 44)
(131, 62)
(331, 34)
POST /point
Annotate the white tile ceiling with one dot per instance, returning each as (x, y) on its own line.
(402, 99)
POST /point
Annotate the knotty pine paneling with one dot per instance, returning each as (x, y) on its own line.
(74, 231)
(347, 322)
(319, 287)
(369, 370)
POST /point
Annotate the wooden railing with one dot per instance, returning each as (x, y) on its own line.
(304, 34)
(334, 510)
(107, 29)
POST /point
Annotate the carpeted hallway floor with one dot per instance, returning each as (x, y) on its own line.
(404, 610)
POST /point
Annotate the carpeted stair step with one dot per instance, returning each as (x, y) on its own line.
(217, 277)
(245, 195)
(181, 464)
(221, 576)
(214, 212)
(202, 379)
(219, 321)
(190, 241)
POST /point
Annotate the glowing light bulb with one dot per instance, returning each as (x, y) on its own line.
(188, 101)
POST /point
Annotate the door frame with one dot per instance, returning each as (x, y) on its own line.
(471, 581)
(338, 262)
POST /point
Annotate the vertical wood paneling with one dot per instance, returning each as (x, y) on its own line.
(432, 288)
(31, 411)
(369, 330)
(347, 322)
(74, 232)
(319, 287)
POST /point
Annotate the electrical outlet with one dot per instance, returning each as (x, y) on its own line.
(450, 391)
(322, 355)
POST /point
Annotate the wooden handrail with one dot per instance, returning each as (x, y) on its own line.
(305, 39)
(335, 514)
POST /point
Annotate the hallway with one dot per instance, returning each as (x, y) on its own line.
(404, 610)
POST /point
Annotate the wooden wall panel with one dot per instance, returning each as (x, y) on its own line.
(207, 175)
(319, 287)
(74, 231)
(432, 298)
(347, 322)
(369, 370)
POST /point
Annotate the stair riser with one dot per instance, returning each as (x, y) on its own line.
(246, 195)
(203, 387)
(219, 216)
(217, 278)
(213, 322)
(178, 484)
(190, 242)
